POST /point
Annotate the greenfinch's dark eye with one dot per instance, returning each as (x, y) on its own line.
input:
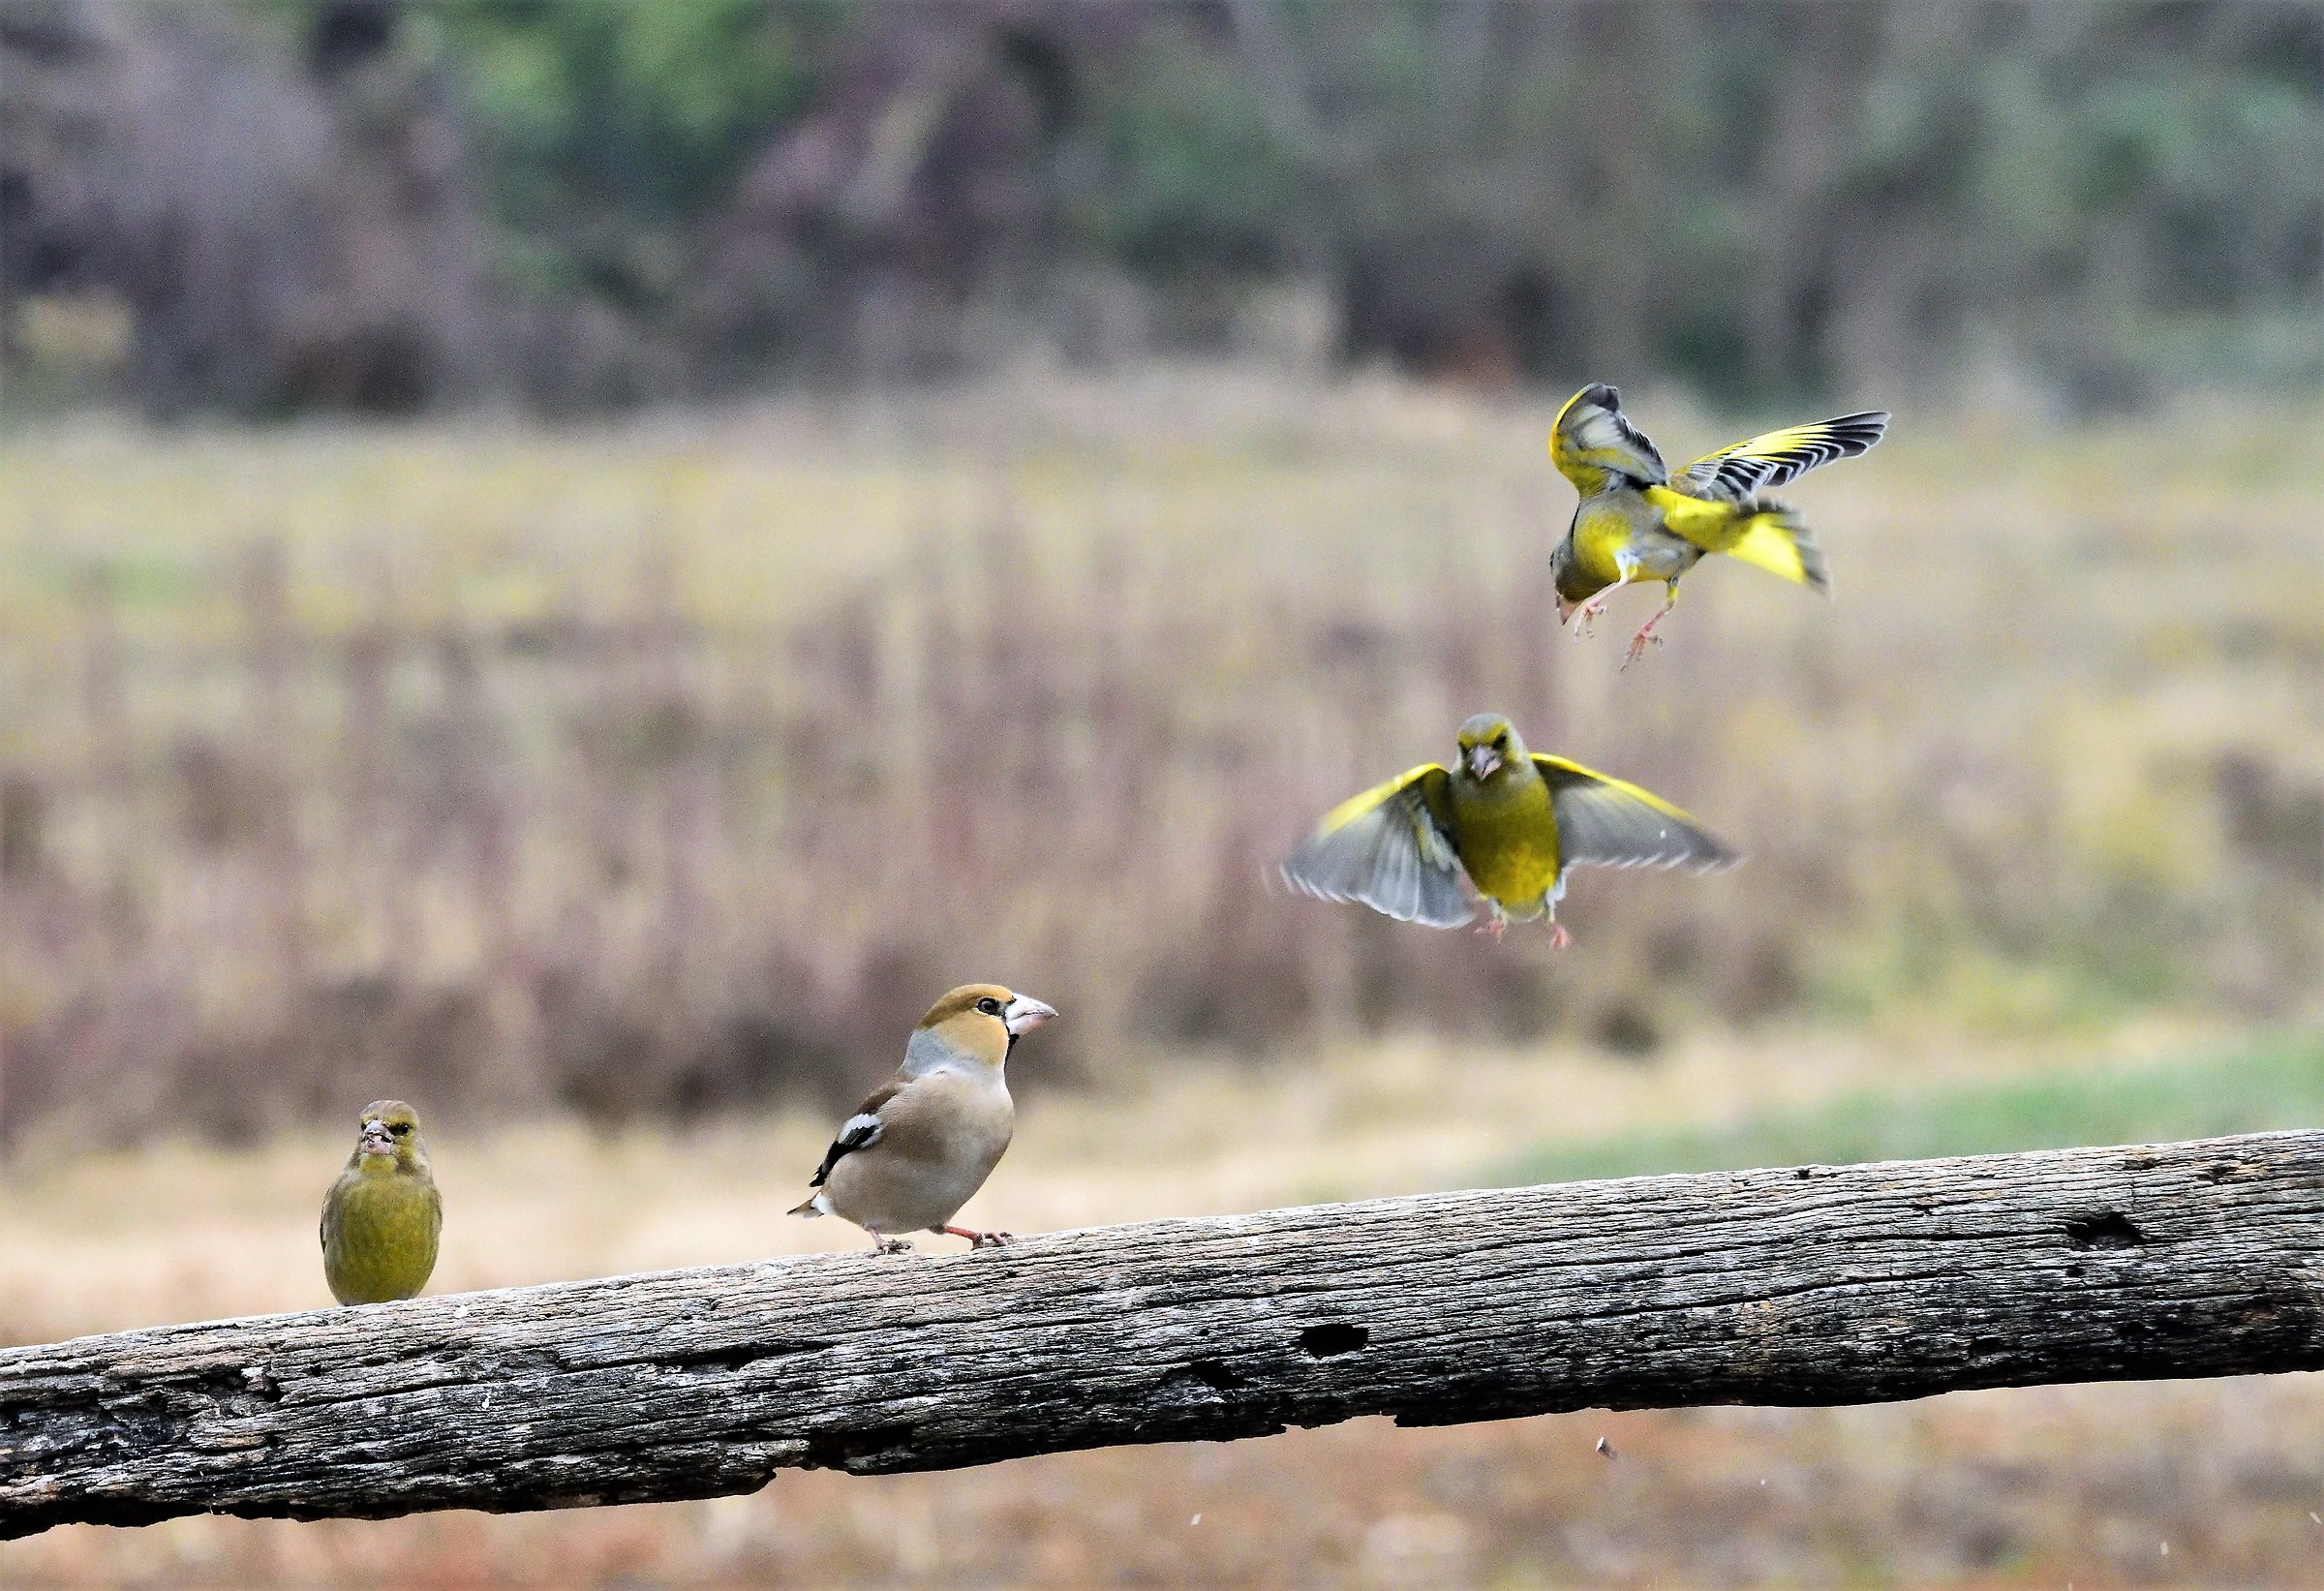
(989, 1006)
(401, 1129)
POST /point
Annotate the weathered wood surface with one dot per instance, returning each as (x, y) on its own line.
(1803, 1285)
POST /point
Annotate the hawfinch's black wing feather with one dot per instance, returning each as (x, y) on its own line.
(1388, 849)
(1609, 822)
(859, 1131)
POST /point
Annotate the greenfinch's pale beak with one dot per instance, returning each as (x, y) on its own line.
(1565, 609)
(1483, 761)
(376, 1139)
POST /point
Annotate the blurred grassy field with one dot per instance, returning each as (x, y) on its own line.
(664, 769)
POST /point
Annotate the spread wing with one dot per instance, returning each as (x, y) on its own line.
(1388, 849)
(1765, 462)
(1610, 822)
(1594, 445)
(859, 1131)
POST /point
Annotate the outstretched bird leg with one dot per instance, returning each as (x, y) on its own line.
(1596, 605)
(978, 1240)
(1646, 637)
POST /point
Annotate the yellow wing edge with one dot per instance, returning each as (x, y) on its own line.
(1635, 792)
(1379, 795)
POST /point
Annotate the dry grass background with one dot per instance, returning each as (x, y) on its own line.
(659, 771)
(622, 796)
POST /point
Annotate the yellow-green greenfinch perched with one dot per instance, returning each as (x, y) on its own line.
(915, 1152)
(383, 1216)
(1509, 820)
(1638, 521)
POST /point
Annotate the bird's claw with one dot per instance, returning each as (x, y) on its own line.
(1559, 938)
(1585, 614)
(1495, 927)
(890, 1245)
(1639, 644)
(991, 1240)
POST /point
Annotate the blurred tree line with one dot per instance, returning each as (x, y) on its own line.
(277, 206)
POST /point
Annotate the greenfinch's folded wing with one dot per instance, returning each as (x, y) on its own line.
(1764, 462)
(1592, 444)
(1386, 848)
(1609, 822)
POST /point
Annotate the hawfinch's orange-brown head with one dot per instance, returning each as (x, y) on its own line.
(981, 1022)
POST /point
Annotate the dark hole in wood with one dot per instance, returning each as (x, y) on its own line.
(835, 1449)
(2109, 1230)
(1211, 1373)
(1330, 1341)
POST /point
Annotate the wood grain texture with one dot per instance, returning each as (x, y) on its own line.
(1793, 1286)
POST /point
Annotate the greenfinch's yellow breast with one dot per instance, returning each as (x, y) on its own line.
(1507, 838)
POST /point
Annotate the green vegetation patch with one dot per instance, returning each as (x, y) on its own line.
(2278, 1083)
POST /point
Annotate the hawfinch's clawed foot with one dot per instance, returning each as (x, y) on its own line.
(979, 1240)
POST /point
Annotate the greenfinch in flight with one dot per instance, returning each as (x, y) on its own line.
(1511, 821)
(1638, 522)
(383, 1216)
(915, 1152)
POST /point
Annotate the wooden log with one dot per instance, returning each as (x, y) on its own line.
(1806, 1285)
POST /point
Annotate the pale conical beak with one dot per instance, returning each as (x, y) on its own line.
(376, 1139)
(1482, 760)
(1026, 1012)
(1565, 609)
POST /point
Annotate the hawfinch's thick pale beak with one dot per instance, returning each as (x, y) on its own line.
(1025, 1012)
(1482, 760)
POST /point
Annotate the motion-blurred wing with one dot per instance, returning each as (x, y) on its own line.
(1765, 462)
(1610, 822)
(1386, 850)
(1594, 444)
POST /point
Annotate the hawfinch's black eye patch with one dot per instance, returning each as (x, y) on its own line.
(989, 1006)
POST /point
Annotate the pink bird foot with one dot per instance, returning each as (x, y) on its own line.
(979, 1240)
(1559, 938)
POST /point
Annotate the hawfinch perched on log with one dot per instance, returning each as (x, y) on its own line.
(915, 1152)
